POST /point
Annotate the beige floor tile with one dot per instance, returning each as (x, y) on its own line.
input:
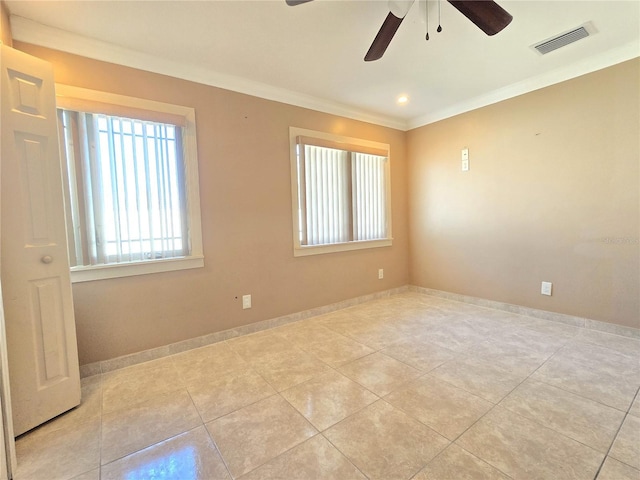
(258, 347)
(584, 382)
(522, 337)
(345, 321)
(486, 380)
(377, 336)
(314, 459)
(229, 393)
(609, 383)
(204, 364)
(139, 383)
(307, 333)
(628, 346)
(59, 454)
(327, 399)
(90, 475)
(553, 328)
(447, 409)
(191, 455)
(635, 407)
(385, 443)
(420, 354)
(253, 435)
(516, 359)
(601, 358)
(454, 463)
(90, 407)
(286, 371)
(339, 351)
(525, 450)
(482, 323)
(457, 336)
(128, 430)
(379, 373)
(626, 447)
(576, 417)
(615, 470)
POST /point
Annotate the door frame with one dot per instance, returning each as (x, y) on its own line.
(8, 459)
(8, 454)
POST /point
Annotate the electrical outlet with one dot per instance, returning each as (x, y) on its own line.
(465, 159)
(246, 301)
(380, 273)
(546, 288)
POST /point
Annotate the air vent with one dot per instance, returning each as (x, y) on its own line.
(564, 39)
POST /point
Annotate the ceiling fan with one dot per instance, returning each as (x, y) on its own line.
(487, 15)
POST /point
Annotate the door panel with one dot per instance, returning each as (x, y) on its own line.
(52, 364)
(41, 338)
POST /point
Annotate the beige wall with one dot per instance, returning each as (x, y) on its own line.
(5, 27)
(552, 194)
(243, 146)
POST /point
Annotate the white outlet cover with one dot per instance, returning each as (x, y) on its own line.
(380, 274)
(246, 301)
(546, 288)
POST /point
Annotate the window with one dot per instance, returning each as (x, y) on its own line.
(131, 185)
(341, 193)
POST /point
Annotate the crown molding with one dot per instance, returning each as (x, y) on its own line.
(28, 31)
(597, 62)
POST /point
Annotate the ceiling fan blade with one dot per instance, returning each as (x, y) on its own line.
(490, 17)
(383, 38)
(293, 3)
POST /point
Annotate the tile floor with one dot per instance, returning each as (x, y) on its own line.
(405, 387)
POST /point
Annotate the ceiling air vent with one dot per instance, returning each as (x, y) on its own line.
(563, 39)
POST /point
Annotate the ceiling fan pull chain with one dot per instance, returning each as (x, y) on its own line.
(426, 8)
(439, 29)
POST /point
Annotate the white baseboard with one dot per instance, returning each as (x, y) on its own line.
(166, 350)
(117, 363)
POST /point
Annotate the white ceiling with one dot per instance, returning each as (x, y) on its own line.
(312, 54)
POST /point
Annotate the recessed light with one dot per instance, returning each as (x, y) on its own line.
(402, 99)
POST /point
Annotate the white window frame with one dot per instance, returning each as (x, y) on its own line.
(70, 97)
(349, 142)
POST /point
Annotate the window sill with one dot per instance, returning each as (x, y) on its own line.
(103, 272)
(301, 251)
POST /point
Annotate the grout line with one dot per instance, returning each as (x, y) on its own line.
(352, 303)
(215, 445)
(341, 453)
(464, 449)
(394, 323)
(615, 437)
(150, 446)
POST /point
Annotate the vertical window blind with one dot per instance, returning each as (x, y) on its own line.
(369, 202)
(326, 192)
(341, 193)
(126, 189)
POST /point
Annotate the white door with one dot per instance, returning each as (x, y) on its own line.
(41, 337)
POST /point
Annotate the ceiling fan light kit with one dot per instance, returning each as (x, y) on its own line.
(487, 15)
